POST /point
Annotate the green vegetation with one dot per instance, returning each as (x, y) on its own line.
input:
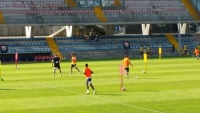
(171, 85)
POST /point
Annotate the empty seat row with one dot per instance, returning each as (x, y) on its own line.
(84, 43)
(29, 50)
(187, 40)
(68, 38)
(22, 39)
(87, 48)
(27, 44)
(110, 37)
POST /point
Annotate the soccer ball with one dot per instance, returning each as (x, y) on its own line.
(143, 71)
(123, 89)
(17, 67)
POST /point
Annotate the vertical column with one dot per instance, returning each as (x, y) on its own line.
(28, 31)
(182, 28)
(123, 29)
(69, 31)
(145, 29)
(109, 29)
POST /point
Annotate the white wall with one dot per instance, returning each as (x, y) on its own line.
(20, 31)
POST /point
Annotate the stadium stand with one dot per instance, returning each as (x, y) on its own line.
(40, 51)
(117, 12)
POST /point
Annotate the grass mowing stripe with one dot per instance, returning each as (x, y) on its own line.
(171, 86)
(94, 96)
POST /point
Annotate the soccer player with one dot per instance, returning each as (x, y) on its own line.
(196, 52)
(56, 65)
(148, 51)
(88, 74)
(126, 65)
(141, 51)
(73, 63)
(185, 50)
(173, 49)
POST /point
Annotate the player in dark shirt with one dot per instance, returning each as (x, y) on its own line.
(56, 65)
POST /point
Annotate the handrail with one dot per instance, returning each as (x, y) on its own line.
(195, 7)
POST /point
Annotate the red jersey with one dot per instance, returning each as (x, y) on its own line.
(87, 72)
(196, 51)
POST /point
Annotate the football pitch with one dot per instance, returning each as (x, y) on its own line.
(171, 85)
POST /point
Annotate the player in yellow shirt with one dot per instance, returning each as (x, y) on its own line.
(73, 63)
(185, 50)
(148, 51)
(127, 62)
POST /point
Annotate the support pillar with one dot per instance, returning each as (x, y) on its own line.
(145, 29)
(182, 28)
(68, 31)
(109, 29)
(29, 31)
(123, 29)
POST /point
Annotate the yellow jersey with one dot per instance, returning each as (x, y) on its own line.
(126, 62)
(185, 47)
(73, 60)
(141, 49)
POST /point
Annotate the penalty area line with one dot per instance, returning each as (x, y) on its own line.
(114, 101)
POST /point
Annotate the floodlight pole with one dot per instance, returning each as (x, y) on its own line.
(179, 24)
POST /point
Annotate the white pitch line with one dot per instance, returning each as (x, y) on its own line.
(118, 102)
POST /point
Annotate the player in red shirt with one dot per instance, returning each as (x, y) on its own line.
(196, 52)
(73, 63)
(88, 74)
(127, 62)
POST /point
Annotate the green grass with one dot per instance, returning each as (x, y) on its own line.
(171, 85)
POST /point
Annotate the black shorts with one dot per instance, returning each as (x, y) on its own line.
(141, 53)
(73, 65)
(56, 66)
(127, 69)
(89, 81)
